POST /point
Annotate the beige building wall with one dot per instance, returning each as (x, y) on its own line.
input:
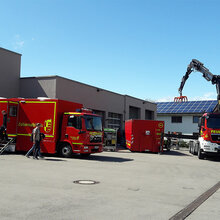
(10, 64)
(142, 105)
(110, 105)
(34, 87)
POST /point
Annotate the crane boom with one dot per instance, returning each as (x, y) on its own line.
(196, 65)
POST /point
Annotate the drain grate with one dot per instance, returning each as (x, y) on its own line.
(86, 182)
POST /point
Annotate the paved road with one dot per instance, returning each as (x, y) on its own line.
(131, 186)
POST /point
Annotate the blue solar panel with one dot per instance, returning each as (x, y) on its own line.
(186, 107)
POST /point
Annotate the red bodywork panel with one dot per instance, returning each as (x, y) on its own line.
(144, 135)
(23, 114)
(210, 134)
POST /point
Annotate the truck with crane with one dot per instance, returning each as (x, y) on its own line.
(208, 142)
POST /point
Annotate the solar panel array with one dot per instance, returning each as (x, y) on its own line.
(186, 107)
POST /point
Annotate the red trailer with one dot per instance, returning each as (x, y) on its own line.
(67, 127)
(144, 135)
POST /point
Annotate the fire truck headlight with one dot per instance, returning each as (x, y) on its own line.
(86, 147)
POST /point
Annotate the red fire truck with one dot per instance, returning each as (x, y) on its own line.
(208, 143)
(144, 135)
(68, 128)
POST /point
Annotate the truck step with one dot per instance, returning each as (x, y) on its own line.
(4, 145)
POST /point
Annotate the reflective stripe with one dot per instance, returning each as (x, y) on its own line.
(13, 102)
(3, 101)
(72, 113)
(30, 135)
(12, 135)
(24, 134)
(78, 143)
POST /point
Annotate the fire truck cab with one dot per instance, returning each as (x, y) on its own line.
(208, 143)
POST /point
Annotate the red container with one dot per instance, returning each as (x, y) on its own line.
(144, 135)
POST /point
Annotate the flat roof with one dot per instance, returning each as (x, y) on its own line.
(10, 51)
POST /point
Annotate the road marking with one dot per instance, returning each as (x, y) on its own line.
(196, 203)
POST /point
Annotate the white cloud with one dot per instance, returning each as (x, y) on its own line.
(18, 42)
(165, 99)
(205, 96)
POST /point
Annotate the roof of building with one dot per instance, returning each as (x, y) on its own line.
(10, 51)
(186, 107)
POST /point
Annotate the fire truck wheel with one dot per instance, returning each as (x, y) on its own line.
(200, 154)
(194, 149)
(66, 150)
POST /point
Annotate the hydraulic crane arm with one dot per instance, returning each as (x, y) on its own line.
(196, 65)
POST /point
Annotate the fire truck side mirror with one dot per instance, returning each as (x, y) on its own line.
(200, 122)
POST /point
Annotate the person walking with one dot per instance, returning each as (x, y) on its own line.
(36, 142)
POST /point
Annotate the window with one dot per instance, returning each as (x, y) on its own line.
(75, 122)
(114, 120)
(195, 119)
(149, 115)
(101, 113)
(134, 112)
(13, 111)
(176, 119)
(93, 123)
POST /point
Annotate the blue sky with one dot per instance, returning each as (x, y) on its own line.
(135, 47)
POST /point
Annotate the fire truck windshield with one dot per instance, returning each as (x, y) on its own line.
(93, 123)
(213, 123)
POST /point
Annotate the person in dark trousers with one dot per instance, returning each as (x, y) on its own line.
(4, 126)
(36, 141)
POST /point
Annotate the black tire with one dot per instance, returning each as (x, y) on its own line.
(200, 154)
(65, 150)
(194, 152)
(197, 148)
(190, 149)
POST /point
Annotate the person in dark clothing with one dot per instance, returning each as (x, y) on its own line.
(36, 141)
(4, 126)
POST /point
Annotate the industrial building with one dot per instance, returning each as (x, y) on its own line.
(182, 117)
(113, 107)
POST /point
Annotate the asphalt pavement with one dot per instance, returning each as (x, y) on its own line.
(126, 186)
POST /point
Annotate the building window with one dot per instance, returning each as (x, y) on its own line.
(149, 115)
(134, 112)
(114, 120)
(176, 119)
(196, 119)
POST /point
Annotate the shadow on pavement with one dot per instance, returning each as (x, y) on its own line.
(104, 158)
(213, 159)
(54, 160)
(176, 153)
